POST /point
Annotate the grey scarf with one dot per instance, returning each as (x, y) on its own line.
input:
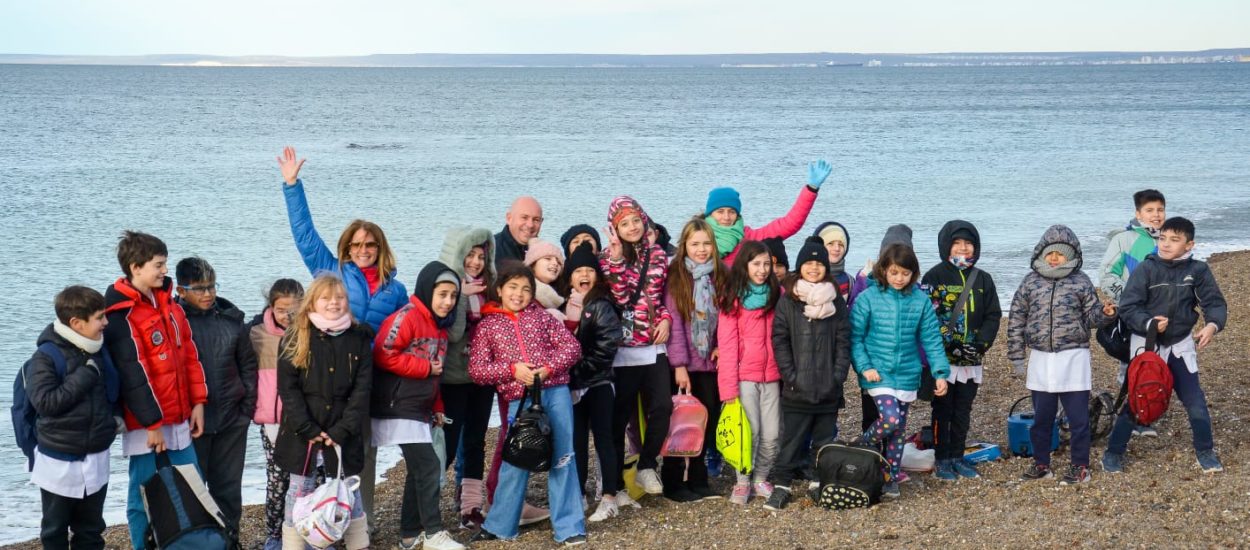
(1062, 270)
(703, 318)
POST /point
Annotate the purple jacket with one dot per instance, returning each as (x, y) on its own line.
(681, 352)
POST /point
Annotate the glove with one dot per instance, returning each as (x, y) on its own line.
(1019, 367)
(961, 350)
(573, 308)
(817, 172)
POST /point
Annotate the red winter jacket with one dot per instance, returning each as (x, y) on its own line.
(531, 336)
(403, 349)
(745, 339)
(150, 342)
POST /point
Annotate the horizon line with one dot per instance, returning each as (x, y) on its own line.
(968, 52)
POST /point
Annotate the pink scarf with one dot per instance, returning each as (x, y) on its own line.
(818, 297)
(476, 300)
(333, 328)
(271, 325)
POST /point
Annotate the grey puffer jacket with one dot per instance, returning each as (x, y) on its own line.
(1053, 315)
(459, 241)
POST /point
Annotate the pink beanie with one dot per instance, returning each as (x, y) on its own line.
(539, 249)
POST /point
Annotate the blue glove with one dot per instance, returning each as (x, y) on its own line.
(817, 172)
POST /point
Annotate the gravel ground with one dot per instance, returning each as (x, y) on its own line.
(1162, 500)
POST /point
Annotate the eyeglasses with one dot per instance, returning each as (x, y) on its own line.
(371, 245)
(204, 289)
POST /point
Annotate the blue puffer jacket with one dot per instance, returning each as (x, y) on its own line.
(391, 295)
(884, 330)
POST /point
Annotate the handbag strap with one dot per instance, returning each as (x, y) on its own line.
(642, 279)
(961, 302)
(1151, 332)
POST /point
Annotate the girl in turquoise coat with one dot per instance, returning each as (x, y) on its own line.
(886, 321)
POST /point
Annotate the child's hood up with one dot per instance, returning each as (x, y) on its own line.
(1059, 234)
(460, 240)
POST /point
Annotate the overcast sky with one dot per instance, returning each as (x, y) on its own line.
(288, 27)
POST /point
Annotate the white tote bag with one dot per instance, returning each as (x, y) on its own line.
(322, 516)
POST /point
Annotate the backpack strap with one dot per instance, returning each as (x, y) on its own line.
(961, 302)
(1152, 332)
(58, 359)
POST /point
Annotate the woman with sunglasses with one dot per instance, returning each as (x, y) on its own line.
(366, 265)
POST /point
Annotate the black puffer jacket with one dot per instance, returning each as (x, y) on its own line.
(599, 333)
(331, 396)
(75, 417)
(814, 355)
(229, 364)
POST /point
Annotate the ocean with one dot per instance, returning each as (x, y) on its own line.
(188, 154)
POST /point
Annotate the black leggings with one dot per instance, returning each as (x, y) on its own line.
(652, 382)
(952, 418)
(468, 406)
(593, 413)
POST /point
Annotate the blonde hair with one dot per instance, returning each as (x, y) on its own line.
(386, 258)
(299, 334)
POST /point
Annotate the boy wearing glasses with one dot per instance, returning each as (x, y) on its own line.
(162, 382)
(230, 370)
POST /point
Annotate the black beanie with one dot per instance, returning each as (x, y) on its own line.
(777, 249)
(813, 251)
(583, 256)
(576, 230)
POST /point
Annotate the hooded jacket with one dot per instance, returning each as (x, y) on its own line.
(264, 336)
(371, 308)
(75, 415)
(456, 245)
(151, 345)
(532, 335)
(229, 364)
(331, 396)
(410, 340)
(976, 330)
(1053, 315)
(623, 279)
(886, 326)
(1173, 289)
(1127, 248)
(845, 281)
(813, 355)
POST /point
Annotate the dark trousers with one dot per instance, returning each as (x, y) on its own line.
(1189, 391)
(83, 516)
(703, 387)
(952, 418)
(221, 460)
(652, 382)
(593, 413)
(468, 406)
(801, 433)
(419, 509)
(1076, 407)
(868, 408)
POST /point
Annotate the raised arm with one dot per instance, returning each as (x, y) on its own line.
(313, 250)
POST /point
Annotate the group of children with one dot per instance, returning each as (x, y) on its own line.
(354, 362)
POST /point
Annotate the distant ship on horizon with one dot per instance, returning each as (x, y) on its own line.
(831, 64)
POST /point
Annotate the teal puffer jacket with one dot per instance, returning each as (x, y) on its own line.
(884, 329)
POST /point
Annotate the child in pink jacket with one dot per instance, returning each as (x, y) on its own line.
(724, 212)
(747, 369)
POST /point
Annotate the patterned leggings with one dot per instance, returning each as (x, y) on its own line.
(275, 490)
(889, 429)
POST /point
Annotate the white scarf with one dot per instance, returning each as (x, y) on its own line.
(550, 299)
(86, 344)
(818, 297)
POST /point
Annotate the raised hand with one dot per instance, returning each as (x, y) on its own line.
(817, 172)
(290, 167)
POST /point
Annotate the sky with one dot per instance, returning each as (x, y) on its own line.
(317, 27)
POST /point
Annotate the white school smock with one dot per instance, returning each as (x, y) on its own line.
(1059, 372)
(71, 478)
(1185, 350)
(177, 437)
(399, 431)
(963, 375)
(901, 395)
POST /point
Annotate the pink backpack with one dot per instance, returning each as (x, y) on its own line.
(686, 427)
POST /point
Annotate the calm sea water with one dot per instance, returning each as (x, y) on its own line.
(188, 154)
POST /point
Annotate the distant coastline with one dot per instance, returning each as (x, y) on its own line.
(764, 60)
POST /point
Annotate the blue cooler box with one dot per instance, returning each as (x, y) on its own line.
(1018, 425)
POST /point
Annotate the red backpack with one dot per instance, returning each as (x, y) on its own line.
(1148, 383)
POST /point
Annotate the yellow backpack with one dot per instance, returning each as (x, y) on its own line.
(733, 436)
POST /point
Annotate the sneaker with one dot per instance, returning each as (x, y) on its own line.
(531, 514)
(1037, 471)
(607, 510)
(813, 486)
(575, 540)
(1076, 474)
(1145, 431)
(965, 469)
(763, 489)
(891, 490)
(273, 543)
(705, 492)
(1209, 462)
(902, 477)
(472, 520)
(741, 494)
(623, 499)
(649, 480)
(1112, 463)
(483, 535)
(682, 495)
(779, 499)
(945, 470)
(416, 541)
(441, 541)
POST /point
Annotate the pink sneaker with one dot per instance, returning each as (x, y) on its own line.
(741, 494)
(902, 477)
(763, 489)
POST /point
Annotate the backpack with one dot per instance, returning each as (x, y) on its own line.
(1147, 384)
(1114, 340)
(25, 417)
(687, 426)
(733, 437)
(851, 476)
(528, 445)
(181, 513)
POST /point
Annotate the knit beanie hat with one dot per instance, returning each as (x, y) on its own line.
(813, 251)
(833, 232)
(582, 256)
(576, 230)
(539, 249)
(623, 206)
(897, 234)
(962, 233)
(722, 197)
(1068, 252)
(777, 249)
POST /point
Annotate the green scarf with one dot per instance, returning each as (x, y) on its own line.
(755, 296)
(727, 238)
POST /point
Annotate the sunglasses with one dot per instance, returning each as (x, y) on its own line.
(205, 289)
(371, 245)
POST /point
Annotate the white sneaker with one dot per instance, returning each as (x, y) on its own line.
(623, 499)
(607, 509)
(649, 480)
(442, 541)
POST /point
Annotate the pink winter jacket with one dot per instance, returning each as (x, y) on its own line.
(531, 336)
(624, 278)
(265, 336)
(784, 227)
(745, 338)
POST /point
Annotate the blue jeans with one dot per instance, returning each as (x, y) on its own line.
(1045, 410)
(1190, 393)
(142, 468)
(563, 495)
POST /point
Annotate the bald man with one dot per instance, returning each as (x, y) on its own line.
(525, 219)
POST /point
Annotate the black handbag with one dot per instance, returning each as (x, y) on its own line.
(528, 445)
